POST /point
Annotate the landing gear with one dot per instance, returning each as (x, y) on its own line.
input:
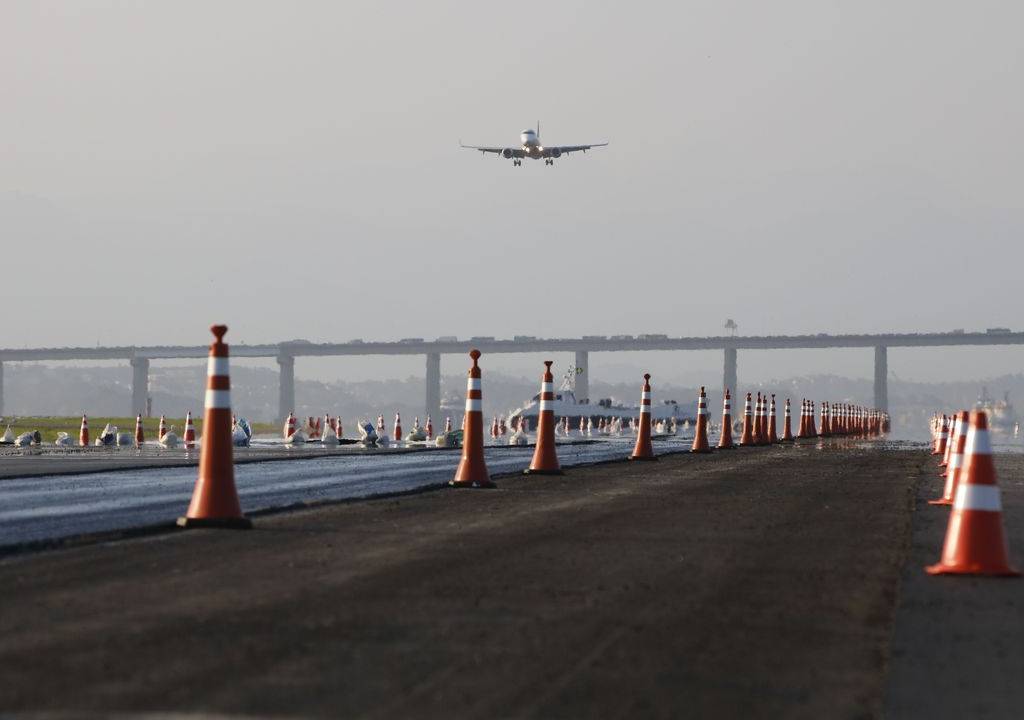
(549, 161)
(517, 163)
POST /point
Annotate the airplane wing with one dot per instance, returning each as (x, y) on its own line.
(566, 149)
(516, 152)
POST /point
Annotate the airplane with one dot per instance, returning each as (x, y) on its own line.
(531, 147)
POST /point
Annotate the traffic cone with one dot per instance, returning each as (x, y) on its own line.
(161, 429)
(447, 424)
(725, 436)
(397, 436)
(757, 420)
(83, 433)
(787, 423)
(763, 423)
(942, 436)
(140, 437)
(289, 426)
(643, 450)
(975, 540)
(215, 500)
(545, 459)
(956, 460)
(382, 430)
(747, 436)
(472, 470)
(772, 436)
(429, 429)
(812, 431)
(189, 437)
(949, 442)
(826, 427)
(338, 428)
(700, 437)
(495, 430)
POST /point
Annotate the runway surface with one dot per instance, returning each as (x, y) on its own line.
(48, 507)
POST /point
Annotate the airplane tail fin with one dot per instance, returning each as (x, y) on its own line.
(538, 129)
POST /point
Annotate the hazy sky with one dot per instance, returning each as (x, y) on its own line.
(293, 169)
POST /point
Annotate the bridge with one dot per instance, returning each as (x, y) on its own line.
(287, 352)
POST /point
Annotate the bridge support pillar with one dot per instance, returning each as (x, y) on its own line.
(882, 378)
(1, 389)
(729, 372)
(140, 385)
(285, 386)
(582, 378)
(433, 408)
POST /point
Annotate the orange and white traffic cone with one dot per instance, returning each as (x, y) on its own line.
(758, 412)
(643, 450)
(382, 430)
(289, 426)
(495, 428)
(725, 436)
(83, 432)
(787, 424)
(700, 437)
(397, 435)
(747, 435)
(447, 424)
(545, 459)
(956, 460)
(140, 437)
(161, 429)
(812, 430)
(429, 429)
(942, 436)
(825, 429)
(472, 470)
(338, 428)
(188, 438)
(975, 540)
(949, 442)
(215, 499)
(772, 435)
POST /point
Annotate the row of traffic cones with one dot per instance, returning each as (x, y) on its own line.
(140, 435)
(215, 499)
(975, 541)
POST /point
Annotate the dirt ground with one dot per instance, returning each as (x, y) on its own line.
(754, 583)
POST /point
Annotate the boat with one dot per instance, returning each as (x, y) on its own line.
(1001, 416)
(566, 405)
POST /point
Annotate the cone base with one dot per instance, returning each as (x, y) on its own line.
(643, 458)
(972, 569)
(725, 447)
(787, 440)
(701, 451)
(532, 471)
(471, 484)
(940, 501)
(235, 523)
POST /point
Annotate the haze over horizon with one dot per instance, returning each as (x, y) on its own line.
(294, 172)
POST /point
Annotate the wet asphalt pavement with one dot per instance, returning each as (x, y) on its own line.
(49, 507)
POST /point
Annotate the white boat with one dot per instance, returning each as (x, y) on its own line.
(565, 405)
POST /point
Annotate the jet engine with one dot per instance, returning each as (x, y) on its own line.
(507, 153)
(555, 152)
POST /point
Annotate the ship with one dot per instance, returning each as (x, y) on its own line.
(567, 405)
(1001, 416)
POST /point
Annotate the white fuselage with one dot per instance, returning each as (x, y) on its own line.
(531, 144)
